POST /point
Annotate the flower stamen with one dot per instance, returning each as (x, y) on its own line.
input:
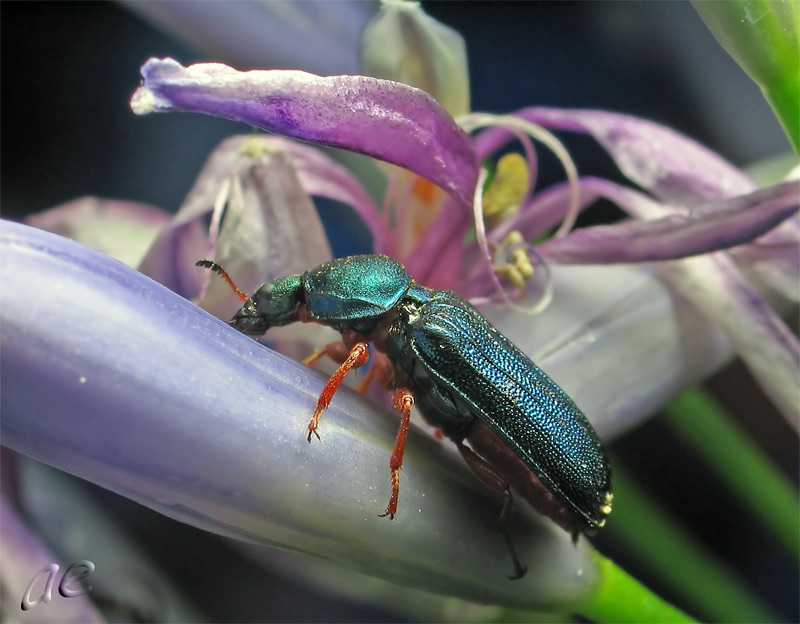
(522, 272)
(510, 260)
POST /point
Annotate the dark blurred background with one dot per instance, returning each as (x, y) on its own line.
(69, 68)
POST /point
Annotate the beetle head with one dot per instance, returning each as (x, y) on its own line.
(275, 303)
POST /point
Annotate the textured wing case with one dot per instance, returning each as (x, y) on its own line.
(500, 385)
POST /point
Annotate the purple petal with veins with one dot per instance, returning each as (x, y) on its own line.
(139, 391)
(384, 119)
(713, 227)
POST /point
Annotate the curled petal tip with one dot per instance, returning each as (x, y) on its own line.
(143, 102)
(145, 99)
(384, 119)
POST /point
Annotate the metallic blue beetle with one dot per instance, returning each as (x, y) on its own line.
(466, 378)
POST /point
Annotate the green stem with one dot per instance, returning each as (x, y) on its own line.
(704, 425)
(621, 598)
(681, 562)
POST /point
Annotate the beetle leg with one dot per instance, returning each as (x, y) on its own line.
(381, 370)
(337, 351)
(363, 387)
(334, 350)
(359, 354)
(315, 356)
(484, 471)
(402, 401)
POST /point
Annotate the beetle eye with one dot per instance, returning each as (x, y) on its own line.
(263, 298)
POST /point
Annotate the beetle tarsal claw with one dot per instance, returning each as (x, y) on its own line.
(312, 431)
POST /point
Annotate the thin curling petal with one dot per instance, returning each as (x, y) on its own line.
(270, 226)
(321, 176)
(264, 224)
(170, 260)
(137, 390)
(387, 120)
(670, 165)
(711, 228)
(775, 259)
(299, 244)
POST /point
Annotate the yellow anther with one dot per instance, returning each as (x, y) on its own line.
(510, 272)
(522, 263)
(511, 260)
(255, 146)
(508, 188)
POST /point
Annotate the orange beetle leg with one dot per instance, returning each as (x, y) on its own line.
(402, 401)
(358, 356)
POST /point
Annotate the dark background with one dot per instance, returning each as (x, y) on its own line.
(68, 70)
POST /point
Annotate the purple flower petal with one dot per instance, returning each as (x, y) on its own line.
(137, 390)
(758, 334)
(715, 285)
(388, 120)
(713, 227)
(123, 230)
(670, 165)
(270, 226)
(775, 259)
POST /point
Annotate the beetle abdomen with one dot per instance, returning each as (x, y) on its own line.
(466, 357)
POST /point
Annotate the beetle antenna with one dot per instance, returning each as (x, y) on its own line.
(208, 264)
